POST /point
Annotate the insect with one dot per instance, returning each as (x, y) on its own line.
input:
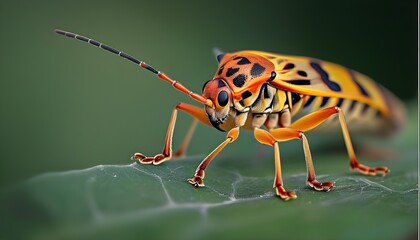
(265, 92)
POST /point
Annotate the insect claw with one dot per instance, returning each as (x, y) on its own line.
(156, 160)
(196, 181)
(138, 157)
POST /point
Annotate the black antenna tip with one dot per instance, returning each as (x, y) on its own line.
(103, 46)
(60, 31)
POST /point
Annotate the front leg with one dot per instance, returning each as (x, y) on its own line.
(167, 148)
(197, 180)
(197, 113)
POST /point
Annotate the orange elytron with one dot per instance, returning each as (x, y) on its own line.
(264, 92)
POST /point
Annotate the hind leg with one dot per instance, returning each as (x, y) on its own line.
(312, 120)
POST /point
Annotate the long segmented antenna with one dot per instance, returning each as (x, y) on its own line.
(142, 64)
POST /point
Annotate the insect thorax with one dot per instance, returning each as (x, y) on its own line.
(268, 107)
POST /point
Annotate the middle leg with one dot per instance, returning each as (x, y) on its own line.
(266, 138)
(285, 134)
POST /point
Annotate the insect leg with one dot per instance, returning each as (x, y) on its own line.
(187, 139)
(265, 137)
(197, 180)
(312, 120)
(285, 134)
(197, 113)
(167, 148)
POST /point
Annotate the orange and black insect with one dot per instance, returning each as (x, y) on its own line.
(265, 92)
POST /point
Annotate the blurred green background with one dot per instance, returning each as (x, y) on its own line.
(67, 105)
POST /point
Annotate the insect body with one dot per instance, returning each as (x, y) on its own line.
(265, 92)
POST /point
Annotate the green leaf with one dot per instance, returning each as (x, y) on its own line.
(155, 202)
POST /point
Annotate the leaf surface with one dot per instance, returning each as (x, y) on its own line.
(155, 202)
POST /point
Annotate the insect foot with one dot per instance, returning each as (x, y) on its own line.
(319, 186)
(197, 180)
(156, 160)
(285, 195)
(368, 170)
